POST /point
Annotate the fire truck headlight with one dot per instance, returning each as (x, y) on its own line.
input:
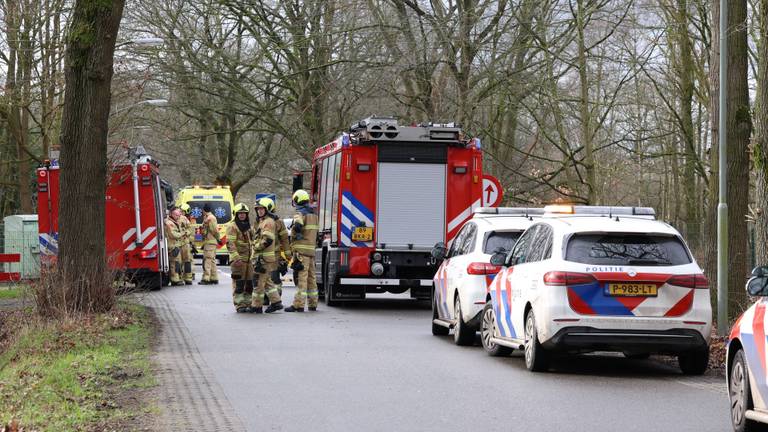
(376, 256)
(377, 269)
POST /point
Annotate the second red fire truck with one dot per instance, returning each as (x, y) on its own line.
(385, 195)
(135, 210)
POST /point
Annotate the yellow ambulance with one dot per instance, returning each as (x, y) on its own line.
(221, 202)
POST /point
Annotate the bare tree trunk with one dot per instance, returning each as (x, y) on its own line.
(760, 152)
(88, 75)
(739, 129)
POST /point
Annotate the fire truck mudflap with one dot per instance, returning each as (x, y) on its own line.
(385, 195)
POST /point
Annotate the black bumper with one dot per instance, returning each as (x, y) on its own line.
(673, 341)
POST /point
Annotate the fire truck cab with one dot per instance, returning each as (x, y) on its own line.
(385, 195)
(135, 210)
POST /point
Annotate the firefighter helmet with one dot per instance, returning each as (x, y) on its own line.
(241, 208)
(185, 208)
(300, 197)
(266, 203)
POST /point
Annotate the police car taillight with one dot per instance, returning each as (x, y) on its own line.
(697, 281)
(482, 268)
(559, 278)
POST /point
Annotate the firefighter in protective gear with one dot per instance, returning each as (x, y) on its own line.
(175, 235)
(264, 259)
(211, 240)
(186, 250)
(283, 249)
(240, 236)
(303, 242)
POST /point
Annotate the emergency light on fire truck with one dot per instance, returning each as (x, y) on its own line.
(385, 194)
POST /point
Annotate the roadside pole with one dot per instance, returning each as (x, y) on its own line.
(722, 206)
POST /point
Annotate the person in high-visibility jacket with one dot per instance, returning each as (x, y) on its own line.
(186, 249)
(211, 241)
(264, 259)
(283, 249)
(175, 235)
(240, 236)
(303, 242)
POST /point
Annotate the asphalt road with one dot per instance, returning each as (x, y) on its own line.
(375, 366)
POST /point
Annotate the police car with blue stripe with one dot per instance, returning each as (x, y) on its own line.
(586, 278)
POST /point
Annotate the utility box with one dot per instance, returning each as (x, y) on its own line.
(21, 237)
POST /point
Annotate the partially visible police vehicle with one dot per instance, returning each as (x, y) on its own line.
(462, 280)
(747, 358)
(599, 279)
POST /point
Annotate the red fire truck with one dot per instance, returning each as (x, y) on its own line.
(385, 195)
(135, 210)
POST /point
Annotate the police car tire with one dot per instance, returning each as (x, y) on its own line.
(437, 330)
(536, 357)
(695, 362)
(739, 363)
(463, 335)
(492, 349)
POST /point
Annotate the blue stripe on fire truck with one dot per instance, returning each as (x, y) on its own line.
(354, 214)
(49, 244)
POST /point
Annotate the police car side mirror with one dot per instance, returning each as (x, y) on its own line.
(439, 251)
(756, 286)
(499, 258)
(760, 271)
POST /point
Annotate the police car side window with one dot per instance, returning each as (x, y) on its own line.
(458, 241)
(522, 248)
(469, 239)
(541, 247)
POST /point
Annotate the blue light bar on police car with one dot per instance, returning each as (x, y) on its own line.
(508, 211)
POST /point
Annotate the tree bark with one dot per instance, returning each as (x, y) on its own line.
(739, 125)
(88, 75)
(760, 152)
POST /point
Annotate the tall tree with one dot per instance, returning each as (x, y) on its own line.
(89, 60)
(760, 151)
(739, 124)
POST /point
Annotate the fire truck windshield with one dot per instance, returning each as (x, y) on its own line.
(220, 209)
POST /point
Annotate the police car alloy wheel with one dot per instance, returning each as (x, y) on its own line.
(488, 331)
(739, 394)
(536, 358)
(462, 334)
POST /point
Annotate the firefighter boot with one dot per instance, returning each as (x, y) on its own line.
(242, 309)
(274, 307)
(294, 309)
(256, 310)
(313, 308)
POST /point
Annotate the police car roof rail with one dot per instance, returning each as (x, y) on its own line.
(508, 211)
(609, 211)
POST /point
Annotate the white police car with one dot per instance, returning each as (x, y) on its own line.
(461, 282)
(599, 279)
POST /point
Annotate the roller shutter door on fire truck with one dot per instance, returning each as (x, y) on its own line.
(411, 197)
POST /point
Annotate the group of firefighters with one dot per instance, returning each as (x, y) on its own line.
(258, 255)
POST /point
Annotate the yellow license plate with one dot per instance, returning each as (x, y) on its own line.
(633, 289)
(362, 234)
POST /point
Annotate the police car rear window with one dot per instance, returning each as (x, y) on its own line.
(627, 249)
(220, 209)
(500, 240)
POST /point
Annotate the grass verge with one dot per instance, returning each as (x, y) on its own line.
(86, 374)
(11, 293)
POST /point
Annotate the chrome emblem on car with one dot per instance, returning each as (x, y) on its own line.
(632, 272)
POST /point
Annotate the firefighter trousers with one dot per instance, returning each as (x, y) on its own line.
(306, 283)
(265, 282)
(209, 263)
(186, 263)
(174, 264)
(242, 283)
